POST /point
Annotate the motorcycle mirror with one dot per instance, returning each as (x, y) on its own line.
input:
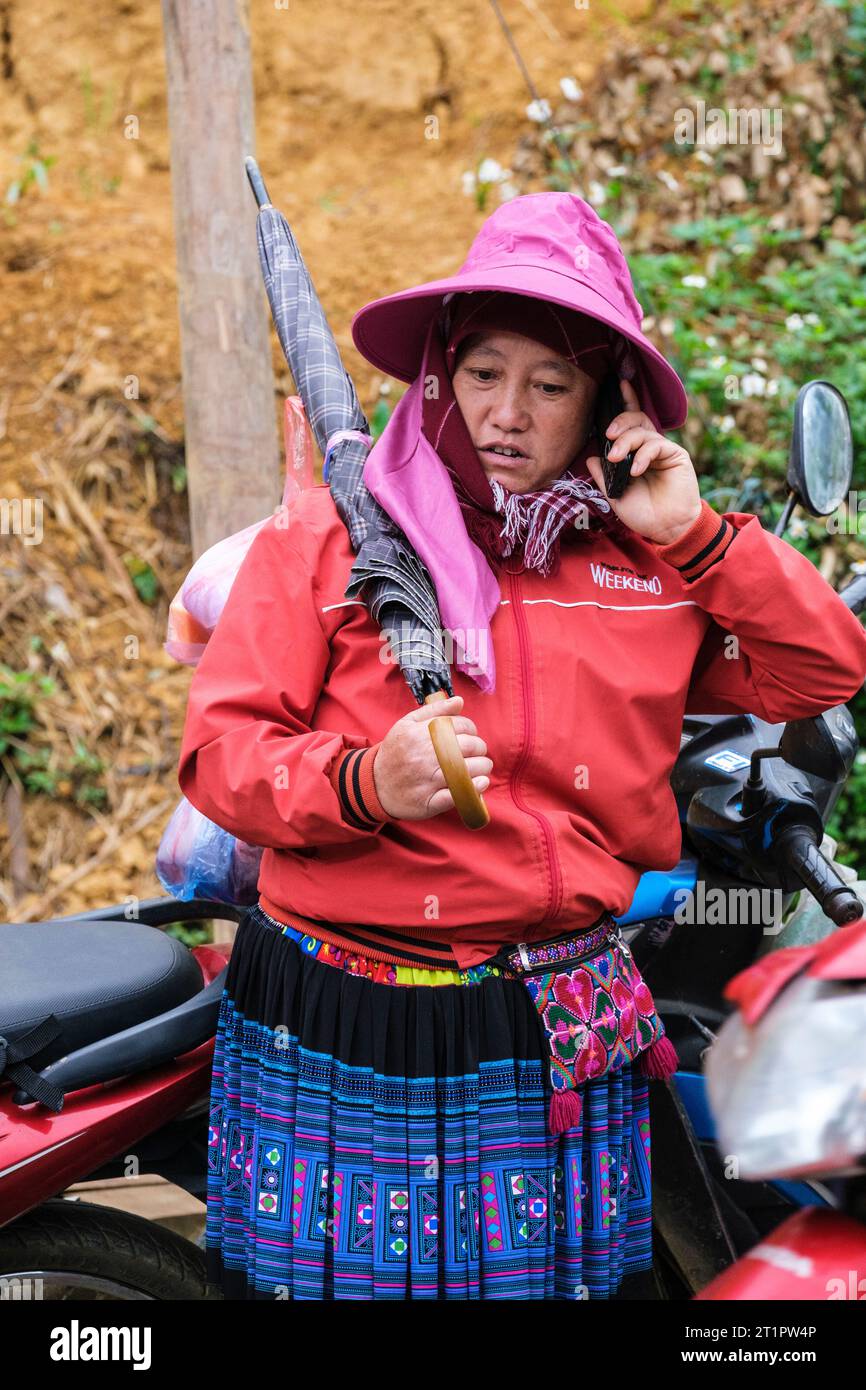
(822, 744)
(821, 462)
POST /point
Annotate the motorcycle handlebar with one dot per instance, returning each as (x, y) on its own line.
(854, 594)
(796, 848)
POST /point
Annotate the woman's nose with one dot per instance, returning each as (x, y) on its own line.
(509, 411)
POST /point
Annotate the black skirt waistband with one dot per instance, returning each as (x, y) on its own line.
(404, 947)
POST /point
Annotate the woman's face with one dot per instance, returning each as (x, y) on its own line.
(517, 393)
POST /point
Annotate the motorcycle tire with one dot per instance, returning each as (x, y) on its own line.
(69, 1251)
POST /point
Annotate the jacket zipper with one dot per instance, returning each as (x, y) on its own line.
(555, 898)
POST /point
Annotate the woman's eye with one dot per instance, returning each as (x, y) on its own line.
(486, 374)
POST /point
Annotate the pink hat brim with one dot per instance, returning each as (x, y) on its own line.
(390, 332)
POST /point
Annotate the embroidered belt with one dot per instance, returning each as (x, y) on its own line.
(387, 955)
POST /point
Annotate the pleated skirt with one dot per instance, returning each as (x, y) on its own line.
(383, 1141)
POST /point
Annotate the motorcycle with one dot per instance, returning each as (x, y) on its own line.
(107, 1030)
(754, 799)
(107, 1024)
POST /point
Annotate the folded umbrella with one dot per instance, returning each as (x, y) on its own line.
(387, 574)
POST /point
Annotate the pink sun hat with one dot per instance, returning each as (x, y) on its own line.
(550, 246)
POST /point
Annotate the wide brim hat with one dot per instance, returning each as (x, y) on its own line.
(551, 246)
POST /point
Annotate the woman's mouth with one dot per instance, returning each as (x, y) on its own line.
(503, 454)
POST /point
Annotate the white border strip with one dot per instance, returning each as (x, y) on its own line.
(619, 607)
(577, 603)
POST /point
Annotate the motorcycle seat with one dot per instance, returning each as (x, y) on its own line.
(96, 978)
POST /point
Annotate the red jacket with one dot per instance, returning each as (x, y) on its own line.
(596, 666)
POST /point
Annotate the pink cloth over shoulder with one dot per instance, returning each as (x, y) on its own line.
(410, 482)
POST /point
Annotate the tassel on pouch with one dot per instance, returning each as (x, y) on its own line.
(566, 1108)
(660, 1060)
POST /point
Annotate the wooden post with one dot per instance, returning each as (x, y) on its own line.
(232, 439)
(231, 417)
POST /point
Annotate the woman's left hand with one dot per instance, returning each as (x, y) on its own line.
(663, 499)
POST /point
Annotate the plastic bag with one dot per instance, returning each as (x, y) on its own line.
(198, 603)
(195, 609)
(198, 859)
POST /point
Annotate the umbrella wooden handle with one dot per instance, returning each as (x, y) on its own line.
(467, 799)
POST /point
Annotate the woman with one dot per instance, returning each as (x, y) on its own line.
(379, 1124)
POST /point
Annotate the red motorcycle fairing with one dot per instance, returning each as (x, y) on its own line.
(841, 956)
(816, 1256)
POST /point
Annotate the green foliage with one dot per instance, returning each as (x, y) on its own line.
(143, 577)
(191, 933)
(32, 767)
(853, 52)
(379, 418)
(847, 824)
(19, 691)
(798, 318)
(709, 83)
(97, 114)
(798, 314)
(79, 778)
(35, 172)
(90, 187)
(84, 767)
(481, 180)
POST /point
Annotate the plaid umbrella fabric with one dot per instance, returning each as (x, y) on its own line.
(387, 574)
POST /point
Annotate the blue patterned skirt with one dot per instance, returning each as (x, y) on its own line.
(371, 1140)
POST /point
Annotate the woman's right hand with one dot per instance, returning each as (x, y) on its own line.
(406, 774)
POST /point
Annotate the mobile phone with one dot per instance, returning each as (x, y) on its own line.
(608, 404)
